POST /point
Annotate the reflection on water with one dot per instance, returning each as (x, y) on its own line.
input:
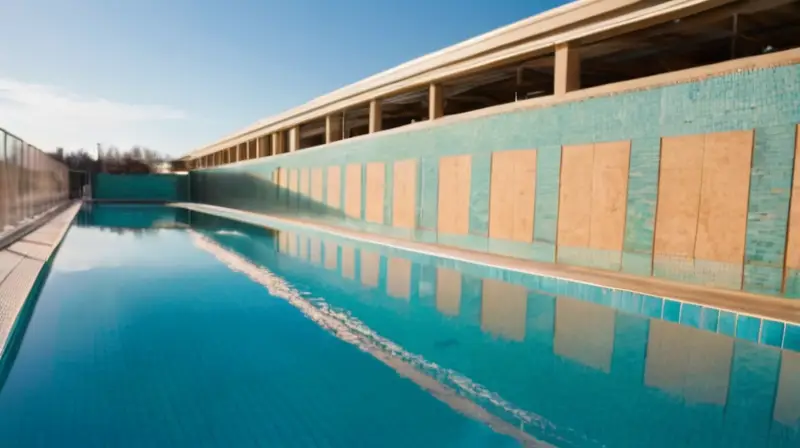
(592, 375)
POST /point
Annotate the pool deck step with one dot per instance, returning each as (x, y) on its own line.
(21, 263)
(775, 308)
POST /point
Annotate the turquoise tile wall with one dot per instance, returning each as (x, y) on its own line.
(545, 217)
(768, 212)
(641, 210)
(765, 100)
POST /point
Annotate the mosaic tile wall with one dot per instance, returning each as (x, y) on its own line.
(690, 182)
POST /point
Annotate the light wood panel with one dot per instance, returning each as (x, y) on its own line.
(688, 362)
(722, 220)
(398, 278)
(787, 406)
(305, 181)
(376, 183)
(348, 262)
(585, 332)
(679, 185)
(575, 195)
(448, 291)
(404, 194)
(454, 190)
(793, 242)
(352, 192)
(331, 256)
(334, 198)
(302, 248)
(609, 195)
(512, 195)
(501, 202)
(315, 251)
(370, 268)
(293, 180)
(316, 185)
(504, 309)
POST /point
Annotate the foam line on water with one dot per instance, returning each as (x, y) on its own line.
(455, 389)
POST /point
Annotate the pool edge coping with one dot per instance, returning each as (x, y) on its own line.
(739, 302)
(29, 267)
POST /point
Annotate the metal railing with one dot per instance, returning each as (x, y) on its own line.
(31, 182)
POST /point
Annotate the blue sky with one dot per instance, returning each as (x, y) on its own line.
(174, 75)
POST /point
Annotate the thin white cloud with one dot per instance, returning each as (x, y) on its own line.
(51, 116)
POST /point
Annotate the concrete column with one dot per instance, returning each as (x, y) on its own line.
(278, 143)
(374, 116)
(294, 139)
(333, 128)
(567, 70)
(435, 101)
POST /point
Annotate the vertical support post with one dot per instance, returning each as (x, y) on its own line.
(277, 143)
(375, 116)
(294, 139)
(333, 127)
(567, 70)
(435, 101)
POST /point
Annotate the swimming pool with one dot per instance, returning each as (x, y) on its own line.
(163, 327)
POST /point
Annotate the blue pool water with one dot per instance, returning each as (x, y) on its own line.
(161, 327)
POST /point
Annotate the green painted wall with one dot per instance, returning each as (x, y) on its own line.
(140, 187)
(764, 100)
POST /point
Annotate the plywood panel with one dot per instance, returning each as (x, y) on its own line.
(722, 220)
(448, 291)
(609, 195)
(787, 406)
(404, 194)
(501, 202)
(305, 181)
(316, 185)
(370, 268)
(575, 195)
(398, 281)
(524, 194)
(679, 186)
(292, 244)
(585, 332)
(302, 248)
(348, 262)
(793, 243)
(454, 189)
(352, 192)
(331, 255)
(283, 243)
(376, 183)
(334, 187)
(315, 251)
(688, 362)
(503, 309)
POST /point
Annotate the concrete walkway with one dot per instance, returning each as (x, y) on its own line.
(774, 308)
(21, 263)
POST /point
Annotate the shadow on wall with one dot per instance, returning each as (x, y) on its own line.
(140, 187)
(656, 182)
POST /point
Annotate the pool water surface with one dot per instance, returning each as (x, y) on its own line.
(163, 327)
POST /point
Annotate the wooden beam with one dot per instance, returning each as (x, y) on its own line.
(294, 139)
(333, 127)
(375, 117)
(435, 101)
(568, 69)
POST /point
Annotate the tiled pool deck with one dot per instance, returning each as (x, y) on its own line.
(21, 263)
(762, 319)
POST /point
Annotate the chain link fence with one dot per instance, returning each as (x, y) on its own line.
(31, 182)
